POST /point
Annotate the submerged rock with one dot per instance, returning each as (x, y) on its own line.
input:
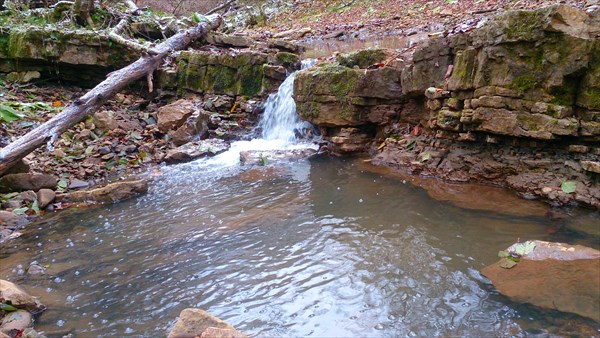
(199, 323)
(553, 276)
(194, 150)
(16, 321)
(110, 193)
(259, 157)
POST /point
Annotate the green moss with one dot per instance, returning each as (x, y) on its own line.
(523, 83)
(250, 80)
(287, 59)
(522, 25)
(221, 80)
(362, 59)
(565, 95)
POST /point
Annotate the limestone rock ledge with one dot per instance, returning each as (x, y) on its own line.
(513, 102)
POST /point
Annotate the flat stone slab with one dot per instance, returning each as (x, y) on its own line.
(553, 276)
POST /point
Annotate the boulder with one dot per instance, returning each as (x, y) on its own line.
(16, 321)
(174, 115)
(45, 197)
(194, 323)
(194, 150)
(553, 276)
(194, 126)
(111, 193)
(26, 181)
(17, 297)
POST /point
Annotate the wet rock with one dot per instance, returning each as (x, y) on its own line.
(554, 276)
(16, 321)
(17, 297)
(194, 322)
(36, 269)
(258, 157)
(21, 182)
(194, 127)
(348, 141)
(194, 150)
(111, 193)
(174, 115)
(213, 332)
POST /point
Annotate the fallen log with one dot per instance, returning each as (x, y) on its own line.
(79, 109)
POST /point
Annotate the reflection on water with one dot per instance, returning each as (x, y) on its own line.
(315, 248)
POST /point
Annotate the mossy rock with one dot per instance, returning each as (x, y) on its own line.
(250, 80)
(288, 60)
(363, 58)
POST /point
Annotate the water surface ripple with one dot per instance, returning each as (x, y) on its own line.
(315, 248)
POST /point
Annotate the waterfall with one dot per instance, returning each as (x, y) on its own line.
(280, 121)
(280, 126)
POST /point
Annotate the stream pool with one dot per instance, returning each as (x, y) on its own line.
(320, 248)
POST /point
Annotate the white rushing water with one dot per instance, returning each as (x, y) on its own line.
(281, 128)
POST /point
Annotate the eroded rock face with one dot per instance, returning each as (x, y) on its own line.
(246, 73)
(553, 276)
(83, 56)
(487, 105)
(199, 323)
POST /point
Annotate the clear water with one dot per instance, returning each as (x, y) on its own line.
(317, 248)
(321, 248)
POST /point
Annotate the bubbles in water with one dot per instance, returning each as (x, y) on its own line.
(60, 323)
(129, 330)
(378, 326)
(57, 280)
(360, 200)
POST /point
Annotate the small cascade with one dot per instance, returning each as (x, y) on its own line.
(280, 121)
(281, 128)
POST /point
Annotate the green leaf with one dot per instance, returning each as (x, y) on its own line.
(523, 249)
(7, 308)
(20, 211)
(506, 263)
(199, 18)
(8, 114)
(568, 186)
(64, 184)
(89, 150)
(503, 254)
(35, 207)
(425, 157)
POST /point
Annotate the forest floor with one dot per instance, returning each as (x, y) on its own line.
(367, 18)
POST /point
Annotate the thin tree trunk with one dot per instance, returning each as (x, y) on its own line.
(92, 100)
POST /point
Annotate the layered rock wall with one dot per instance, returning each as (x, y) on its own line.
(514, 102)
